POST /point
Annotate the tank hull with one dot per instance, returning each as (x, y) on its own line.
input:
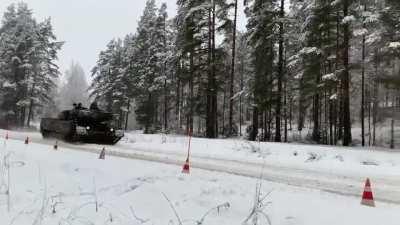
(67, 130)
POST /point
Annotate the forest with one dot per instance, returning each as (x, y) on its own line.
(320, 71)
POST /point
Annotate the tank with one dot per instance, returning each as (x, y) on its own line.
(83, 125)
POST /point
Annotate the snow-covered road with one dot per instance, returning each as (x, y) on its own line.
(386, 188)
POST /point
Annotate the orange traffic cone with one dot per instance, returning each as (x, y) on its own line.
(103, 154)
(27, 140)
(56, 146)
(368, 198)
(186, 167)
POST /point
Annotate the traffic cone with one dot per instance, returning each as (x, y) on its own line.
(103, 154)
(368, 198)
(56, 146)
(27, 140)
(186, 167)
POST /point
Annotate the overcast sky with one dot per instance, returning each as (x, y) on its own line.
(87, 25)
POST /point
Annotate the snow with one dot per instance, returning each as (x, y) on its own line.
(26, 66)
(293, 60)
(329, 76)
(394, 45)
(275, 154)
(360, 32)
(373, 38)
(7, 84)
(238, 94)
(371, 18)
(299, 76)
(310, 50)
(15, 59)
(332, 57)
(336, 2)
(333, 97)
(71, 177)
(124, 109)
(348, 19)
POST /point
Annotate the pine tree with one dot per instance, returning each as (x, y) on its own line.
(109, 85)
(198, 24)
(162, 28)
(28, 53)
(261, 15)
(316, 59)
(146, 67)
(345, 78)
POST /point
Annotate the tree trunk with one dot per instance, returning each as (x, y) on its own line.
(326, 115)
(165, 105)
(335, 123)
(285, 113)
(346, 78)
(254, 130)
(165, 76)
(214, 81)
(337, 89)
(375, 99)
(191, 93)
(331, 121)
(224, 132)
(127, 115)
(290, 113)
(230, 132)
(269, 121)
(30, 113)
(178, 101)
(241, 104)
(280, 76)
(369, 115)
(150, 116)
(262, 125)
(316, 135)
(392, 134)
(362, 87)
(209, 105)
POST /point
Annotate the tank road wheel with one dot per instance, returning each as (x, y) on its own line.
(71, 137)
(45, 134)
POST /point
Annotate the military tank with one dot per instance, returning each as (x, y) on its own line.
(83, 125)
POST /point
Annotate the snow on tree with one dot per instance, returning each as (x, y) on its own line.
(109, 85)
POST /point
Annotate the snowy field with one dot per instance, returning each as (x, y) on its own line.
(308, 184)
